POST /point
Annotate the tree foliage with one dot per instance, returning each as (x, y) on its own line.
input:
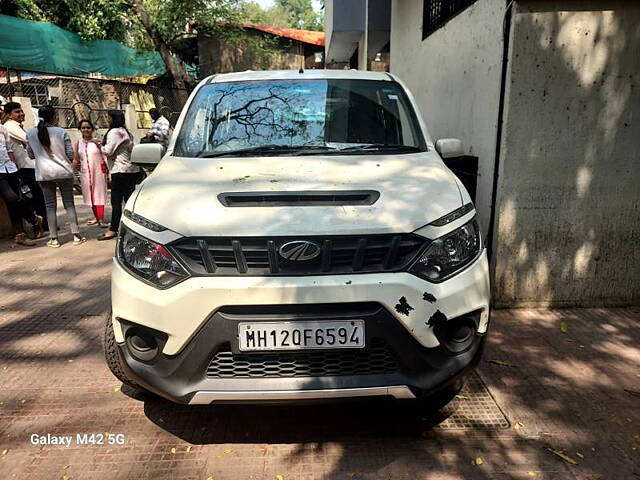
(174, 18)
(144, 24)
(285, 13)
(159, 24)
(95, 19)
(301, 14)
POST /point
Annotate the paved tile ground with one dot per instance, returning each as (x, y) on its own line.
(577, 391)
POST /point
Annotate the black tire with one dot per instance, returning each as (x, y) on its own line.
(440, 399)
(112, 355)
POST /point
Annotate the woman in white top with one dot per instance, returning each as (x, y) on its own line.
(51, 148)
(10, 192)
(124, 175)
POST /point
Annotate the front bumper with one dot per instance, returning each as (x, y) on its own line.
(411, 371)
(193, 323)
(182, 310)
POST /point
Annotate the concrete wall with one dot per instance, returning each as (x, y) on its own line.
(455, 76)
(344, 25)
(223, 56)
(568, 225)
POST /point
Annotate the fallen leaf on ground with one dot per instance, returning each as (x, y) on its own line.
(64, 477)
(579, 455)
(188, 448)
(228, 450)
(518, 426)
(563, 327)
(502, 363)
(279, 477)
(462, 397)
(22, 401)
(116, 389)
(5, 451)
(173, 450)
(70, 360)
(210, 478)
(478, 461)
(352, 475)
(532, 474)
(562, 455)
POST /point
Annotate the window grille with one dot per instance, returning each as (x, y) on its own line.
(438, 12)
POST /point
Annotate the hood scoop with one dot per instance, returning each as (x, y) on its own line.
(314, 198)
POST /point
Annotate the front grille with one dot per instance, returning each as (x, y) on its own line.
(260, 255)
(376, 359)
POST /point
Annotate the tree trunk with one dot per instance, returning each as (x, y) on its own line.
(177, 73)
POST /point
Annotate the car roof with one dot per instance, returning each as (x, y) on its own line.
(297, 75)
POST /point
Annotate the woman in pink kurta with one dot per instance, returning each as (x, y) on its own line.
(93, 172)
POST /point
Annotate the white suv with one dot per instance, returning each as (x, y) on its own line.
(300, 239)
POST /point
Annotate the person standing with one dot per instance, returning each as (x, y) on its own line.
(160, 128)
(88, 158)
(26, 166)
(124, 175)
(10, 192)
(51, 148)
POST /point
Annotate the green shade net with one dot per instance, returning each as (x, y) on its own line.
(43, 47)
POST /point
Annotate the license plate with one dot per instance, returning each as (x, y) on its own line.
(301, 335)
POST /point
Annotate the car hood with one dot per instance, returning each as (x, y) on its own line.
(182, 194)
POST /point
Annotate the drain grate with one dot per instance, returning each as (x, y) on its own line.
(473, 409)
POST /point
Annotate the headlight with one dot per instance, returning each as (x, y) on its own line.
(449, 254)
(148, 260)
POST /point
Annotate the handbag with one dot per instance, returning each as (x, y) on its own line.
(25, 190)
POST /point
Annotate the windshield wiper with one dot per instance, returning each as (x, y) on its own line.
(381, 147)
(291, 149)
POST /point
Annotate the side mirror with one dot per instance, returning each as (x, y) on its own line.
(450, 147)
(147, 155)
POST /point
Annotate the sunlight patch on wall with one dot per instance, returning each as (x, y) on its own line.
(583, 181)
(508, 218)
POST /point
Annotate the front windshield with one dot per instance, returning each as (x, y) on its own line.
(272, 116)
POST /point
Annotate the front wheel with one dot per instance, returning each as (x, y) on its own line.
(113, 358)
(436, 401)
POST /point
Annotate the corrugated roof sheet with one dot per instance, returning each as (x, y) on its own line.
(305, 36)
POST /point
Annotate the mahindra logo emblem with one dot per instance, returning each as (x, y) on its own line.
(300, 250)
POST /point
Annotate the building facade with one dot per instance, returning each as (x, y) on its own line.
(544, 93)
(357, 34)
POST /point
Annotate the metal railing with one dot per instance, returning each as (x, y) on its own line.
(438, 12)
(78, 98)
